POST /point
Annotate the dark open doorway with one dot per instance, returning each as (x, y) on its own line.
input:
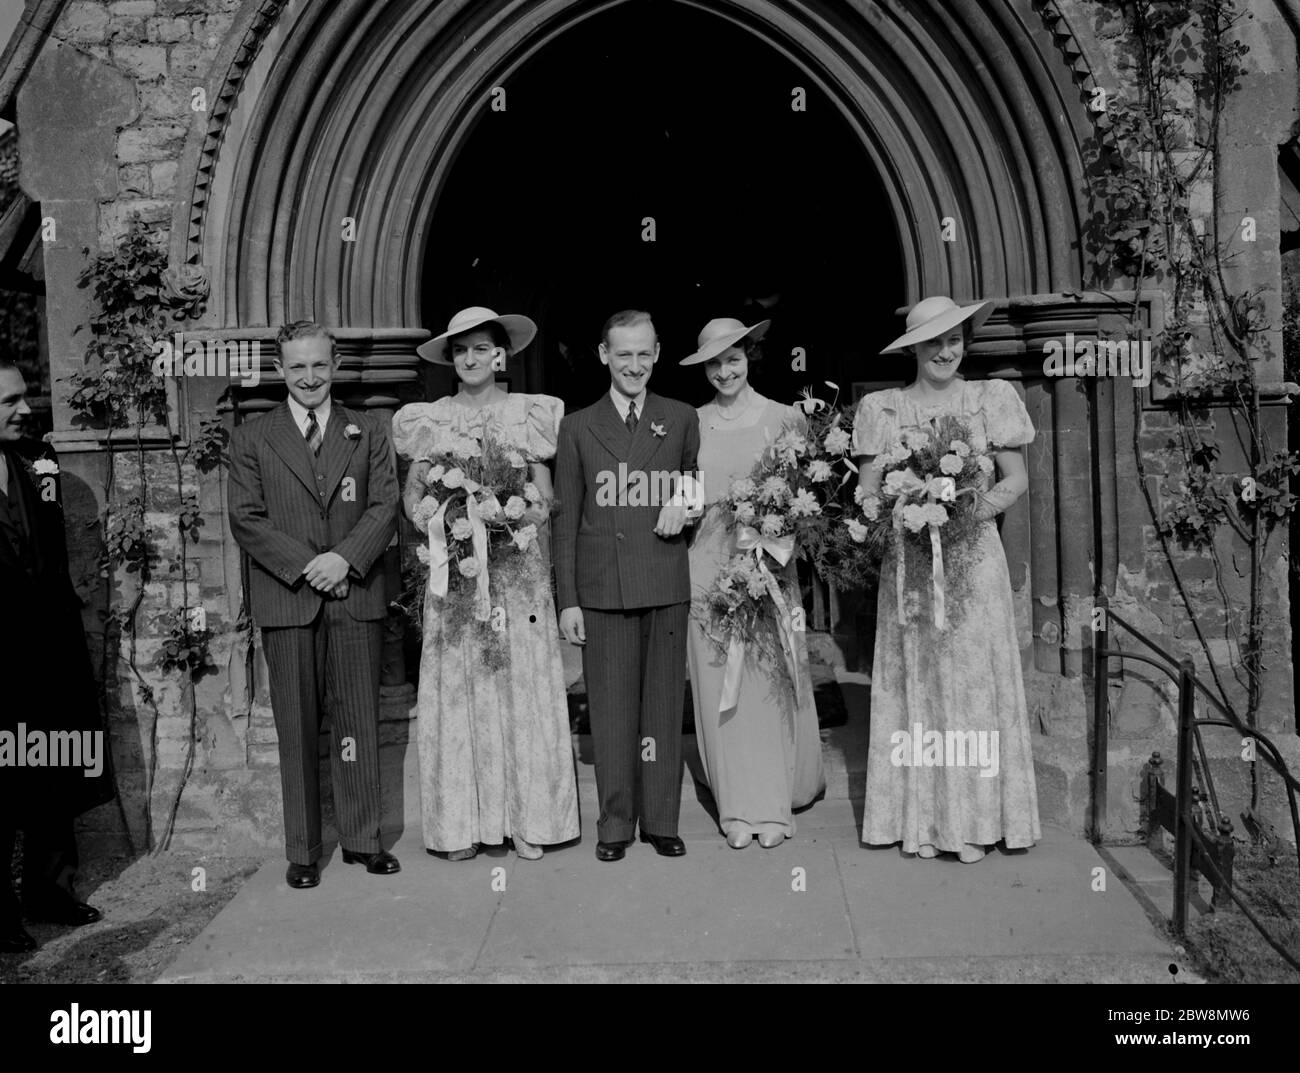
(666, 111)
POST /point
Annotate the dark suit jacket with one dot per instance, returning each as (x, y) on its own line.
(608, 557)
(51, 686)
(284, 511)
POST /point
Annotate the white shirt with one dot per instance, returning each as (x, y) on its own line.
(622, 402)
(690, 490)
(299, 412)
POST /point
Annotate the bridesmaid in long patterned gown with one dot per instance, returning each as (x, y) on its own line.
(496, 756)
(763, 757)
(965, 677)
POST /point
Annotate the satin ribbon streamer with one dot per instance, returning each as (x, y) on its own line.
(439, 559)
(936, 556)
(483, 610)
(781, 549)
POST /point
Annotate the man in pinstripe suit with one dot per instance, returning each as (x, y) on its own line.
(313, 501)
(624, 587)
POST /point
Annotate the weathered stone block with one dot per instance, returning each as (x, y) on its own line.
(137, 8)
(191, 63)
(144, 62)
(169, 30)
(166, 100)
(133, 180)
(162, 177)
(126, 31)
(115, 217)
(83, 23)
(150, 143)
(171, 8)
(211, 30)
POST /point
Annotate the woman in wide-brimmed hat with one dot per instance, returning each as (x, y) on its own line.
(953, 668)
(496, 758)
(762, 756)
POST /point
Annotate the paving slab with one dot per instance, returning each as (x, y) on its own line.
(821, 907)
(713, 905)
(1040, 902)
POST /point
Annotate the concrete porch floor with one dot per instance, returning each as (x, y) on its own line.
(715, 915)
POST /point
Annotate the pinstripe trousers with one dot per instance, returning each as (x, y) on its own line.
(331, 665)
(634, 664)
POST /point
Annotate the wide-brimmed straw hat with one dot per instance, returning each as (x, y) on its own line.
(519, 329)
(720, 334)
(933, 317)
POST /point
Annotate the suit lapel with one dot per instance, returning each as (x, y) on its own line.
(609, 430)
(336, 451)
(287, 441)
(645, 443)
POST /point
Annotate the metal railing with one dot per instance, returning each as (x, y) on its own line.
(1202, 832)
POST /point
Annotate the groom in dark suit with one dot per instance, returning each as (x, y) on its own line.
(623, 585)
(313, 500)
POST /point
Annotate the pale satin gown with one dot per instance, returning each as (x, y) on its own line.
(763, 757)
(496, 755)
(963, 678)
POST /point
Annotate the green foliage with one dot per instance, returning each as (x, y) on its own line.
(118, 389)
(186, 649)
(207, 450)
(126, 538)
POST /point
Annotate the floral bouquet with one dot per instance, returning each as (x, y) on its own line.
(786, 506)
(928, 501)
(476, 512)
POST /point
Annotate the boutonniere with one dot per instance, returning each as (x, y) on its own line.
(352, 432)
(43, 467)
(658, 429)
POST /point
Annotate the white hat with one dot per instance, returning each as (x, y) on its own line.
(932, 317)
(519, 329)
(721, 333)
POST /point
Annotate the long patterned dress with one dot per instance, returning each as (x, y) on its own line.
(964, 678)
(763, 756)
(496, 756)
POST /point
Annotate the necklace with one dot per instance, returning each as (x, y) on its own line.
(741, 411)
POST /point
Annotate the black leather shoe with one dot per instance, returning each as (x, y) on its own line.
(611, 851)
(303, 876)
(15, 940)
(382, 863)
(665, 845)
(62, 910)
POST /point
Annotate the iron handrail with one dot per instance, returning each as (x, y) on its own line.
(1189, 738)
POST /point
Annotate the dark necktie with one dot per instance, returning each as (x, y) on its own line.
(631, 417)
(313, 434)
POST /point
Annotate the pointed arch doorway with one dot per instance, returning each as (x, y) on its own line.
(661, 157)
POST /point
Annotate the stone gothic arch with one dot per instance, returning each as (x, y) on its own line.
(975, 109)
(354, 109)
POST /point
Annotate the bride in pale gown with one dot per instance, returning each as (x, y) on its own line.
(762, 758)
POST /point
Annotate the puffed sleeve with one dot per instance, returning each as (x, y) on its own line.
(1005, 418)
(414, 431)
(543, 421)
(872, 425)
